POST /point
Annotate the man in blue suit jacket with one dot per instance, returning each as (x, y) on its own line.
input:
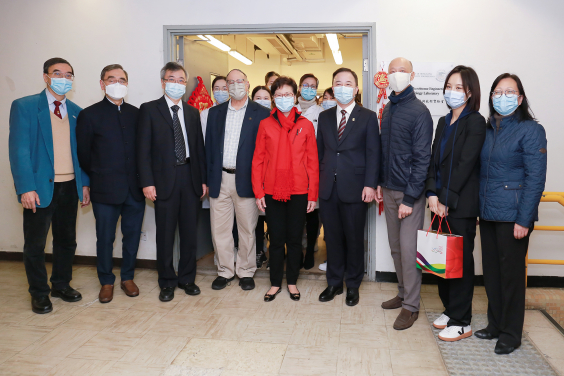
(230, 144)
(49, 182)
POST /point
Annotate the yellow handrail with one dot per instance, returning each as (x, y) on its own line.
(546, 197)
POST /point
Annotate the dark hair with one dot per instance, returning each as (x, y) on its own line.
(110, 67)
(340, 70)
(173, 67)
(218, 78)
(524, 110)
(470, 82)
(358, 99)
(258, 88)
(304, 77)
(268, 75)
(282, 81)
(55, 60)
(330, 91)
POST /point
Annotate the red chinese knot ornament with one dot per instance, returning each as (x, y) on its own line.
(200, 97)
(381, 81)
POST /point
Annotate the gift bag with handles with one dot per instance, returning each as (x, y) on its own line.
(439, 253)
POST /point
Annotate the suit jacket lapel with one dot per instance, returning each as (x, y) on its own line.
(44, 118)
(335, 127)
(221, 120)
(448, 146)
(350, 123)
(187, 122)
(163, 108)
(247, 126)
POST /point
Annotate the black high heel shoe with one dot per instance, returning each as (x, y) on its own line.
(295, 297)
(270, 297)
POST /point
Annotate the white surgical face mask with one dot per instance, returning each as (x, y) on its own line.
(116, 91)
(238, 90)
(399, 81)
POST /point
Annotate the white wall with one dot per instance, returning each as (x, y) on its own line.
(519, 36)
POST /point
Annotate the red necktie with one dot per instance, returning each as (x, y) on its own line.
(342, 124)
(57, 112)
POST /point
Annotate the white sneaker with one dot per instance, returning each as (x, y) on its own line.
(455, 333)
(441, 322)
(323, 266)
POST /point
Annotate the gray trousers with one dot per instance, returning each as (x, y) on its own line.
(402, 235)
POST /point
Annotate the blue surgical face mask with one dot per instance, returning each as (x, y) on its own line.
(343, 94)
(174, 90)
(329, 103)
(454, 99)
(60, 86)
(265, 103)
(505, 105)
(308, 93)
(284, 104)
(221, 96)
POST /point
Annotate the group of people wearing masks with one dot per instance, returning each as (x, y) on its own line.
(282, 153)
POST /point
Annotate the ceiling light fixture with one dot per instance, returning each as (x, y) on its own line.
(334, 45)
(240, 57)
(214, 42)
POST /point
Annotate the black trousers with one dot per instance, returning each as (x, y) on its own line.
(61, 213)
(285, 226)
(503, 259)
(259, 233)
(107, 216)
(312, 229)
(456, 294)
(181, 209)
(344, 236)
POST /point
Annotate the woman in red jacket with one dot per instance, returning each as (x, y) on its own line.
(285, 182)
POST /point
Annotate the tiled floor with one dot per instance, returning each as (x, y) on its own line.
(228, 332)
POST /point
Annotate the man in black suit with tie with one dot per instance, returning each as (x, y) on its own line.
(105, 136)
(172, 172)
(348, 142)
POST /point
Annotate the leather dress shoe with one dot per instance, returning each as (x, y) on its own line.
(503, 349)
(41, 304)
(270, 297)
(190, 288)
(352, 297)
(329, 293)
(295, 297)
(394, 303)
(484, 334)
(68, 294)
(167, 294)
(247, 283)
(221, 282)
(405, 319)
(106, 294)
(130, 288)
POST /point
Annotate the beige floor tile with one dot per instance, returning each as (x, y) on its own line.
(270, 331)
(134, 369)
(59, 315)
(134, 322)
(94, 319)
(174, 370)
(256, 357)
(17, 339)
(225, 327)
(205, 353)
(80, 367)
(557, 364)
(389, 286)
(61, 342)
(239, 308)
(278, 310)
(106, 346)
(319, 312)
(28, 365)
(432, 302)
(417, 363)
(363, 314)
(367, 286)
(316, 333)
(430, 289)
(232, 372)
(362, 335)
(155, 350)
(180, 325)
(363, 362)
(310, 361)
(535, 318)
(201, 306)
(416, 338)
(549, 341)
(5, 355)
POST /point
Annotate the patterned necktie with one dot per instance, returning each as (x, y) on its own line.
(179, 145)
(57, 111)
(342, 124)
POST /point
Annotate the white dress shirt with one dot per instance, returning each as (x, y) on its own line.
(233, 125)
(347, 115)
(51, 100)
(180, 113)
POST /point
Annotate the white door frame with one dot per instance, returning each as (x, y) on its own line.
(170, 32)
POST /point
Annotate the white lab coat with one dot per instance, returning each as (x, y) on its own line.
(312, 114)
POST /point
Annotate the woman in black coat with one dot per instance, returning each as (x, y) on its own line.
(452, 187)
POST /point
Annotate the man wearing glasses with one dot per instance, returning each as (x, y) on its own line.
(105, 134)
(49, 182)
(172, 171)
(230, 144)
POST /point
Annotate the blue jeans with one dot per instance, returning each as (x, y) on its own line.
(107, 215)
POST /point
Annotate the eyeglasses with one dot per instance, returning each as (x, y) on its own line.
(305, 86)
(348, 84)
(509, 93)
(68, 76)
(180, 81)
(239, 81)
(287, 95)
(112, 81)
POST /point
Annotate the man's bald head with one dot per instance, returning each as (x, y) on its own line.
(400, 64)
